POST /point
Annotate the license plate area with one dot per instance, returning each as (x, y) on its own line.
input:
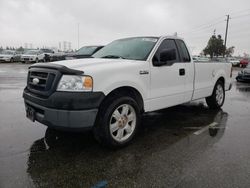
(30, 113)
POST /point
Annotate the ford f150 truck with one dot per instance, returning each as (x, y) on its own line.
(126, 78)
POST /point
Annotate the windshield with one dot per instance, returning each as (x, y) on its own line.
(87, 50)
(32, 52)
(137, 48)
(7, 52)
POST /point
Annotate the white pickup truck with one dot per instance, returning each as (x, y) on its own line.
(126, 78)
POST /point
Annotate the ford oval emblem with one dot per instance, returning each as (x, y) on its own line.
(35, 81)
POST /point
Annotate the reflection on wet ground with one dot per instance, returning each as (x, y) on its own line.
(78, 161)
(244, 89)
(184, 146)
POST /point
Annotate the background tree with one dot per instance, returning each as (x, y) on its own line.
(20, 49)
(215, 46)
(229, 51)
(245, 54)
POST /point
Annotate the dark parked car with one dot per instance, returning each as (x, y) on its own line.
(244, 75)
(58, 56)
(47, 53)
(84, 52)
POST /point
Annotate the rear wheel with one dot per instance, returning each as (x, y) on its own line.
(216, 100)
(117, 122)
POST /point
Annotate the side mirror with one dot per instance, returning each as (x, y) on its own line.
(164, 57)
(168, 55)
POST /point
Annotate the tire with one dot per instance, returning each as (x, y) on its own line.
(216, 100)
(238, 80)
(121, 114)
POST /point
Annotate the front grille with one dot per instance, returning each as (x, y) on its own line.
(42, 81)
(27, 59)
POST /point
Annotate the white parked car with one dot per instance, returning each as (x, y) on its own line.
(234, 61)
(7, 56)
(200, 59)
(110, 92)
(33, 56)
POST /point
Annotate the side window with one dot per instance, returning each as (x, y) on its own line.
(167, 53)
(185, 57)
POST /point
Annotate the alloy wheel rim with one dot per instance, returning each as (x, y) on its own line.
(219, 94)
(122, 122)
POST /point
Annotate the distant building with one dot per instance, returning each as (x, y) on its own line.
(28, 45)
(65, 46)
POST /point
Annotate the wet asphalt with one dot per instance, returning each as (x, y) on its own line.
(183, 146)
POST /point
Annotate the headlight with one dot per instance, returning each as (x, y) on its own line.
(75, 83)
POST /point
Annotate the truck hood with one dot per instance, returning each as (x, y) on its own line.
(246, 71)
(89, 65)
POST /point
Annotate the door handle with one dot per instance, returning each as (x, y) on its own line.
(181, 72)
(143, 72)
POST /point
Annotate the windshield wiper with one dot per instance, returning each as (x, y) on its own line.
(113, 56)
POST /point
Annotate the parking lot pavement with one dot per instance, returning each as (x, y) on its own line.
(184, 146)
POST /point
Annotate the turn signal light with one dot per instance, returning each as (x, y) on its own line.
(88, 82)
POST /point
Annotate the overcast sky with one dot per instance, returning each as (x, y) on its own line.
(47, 22)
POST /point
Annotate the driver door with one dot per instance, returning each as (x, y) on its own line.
(167, 86)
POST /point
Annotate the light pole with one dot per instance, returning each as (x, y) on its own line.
(226, 33)
(78, 24)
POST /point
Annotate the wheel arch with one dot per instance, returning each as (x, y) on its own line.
(126, 91)
(222, 79)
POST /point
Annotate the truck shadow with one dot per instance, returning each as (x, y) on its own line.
(77, 160)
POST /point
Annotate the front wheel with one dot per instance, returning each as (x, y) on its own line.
(117, 122)
(216, 100)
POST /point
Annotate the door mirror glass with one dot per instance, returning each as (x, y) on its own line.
(167, 55)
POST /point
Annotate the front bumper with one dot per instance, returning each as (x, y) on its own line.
(65, 110)
(4, 60)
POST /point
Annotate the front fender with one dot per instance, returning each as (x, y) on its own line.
(109, 84)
